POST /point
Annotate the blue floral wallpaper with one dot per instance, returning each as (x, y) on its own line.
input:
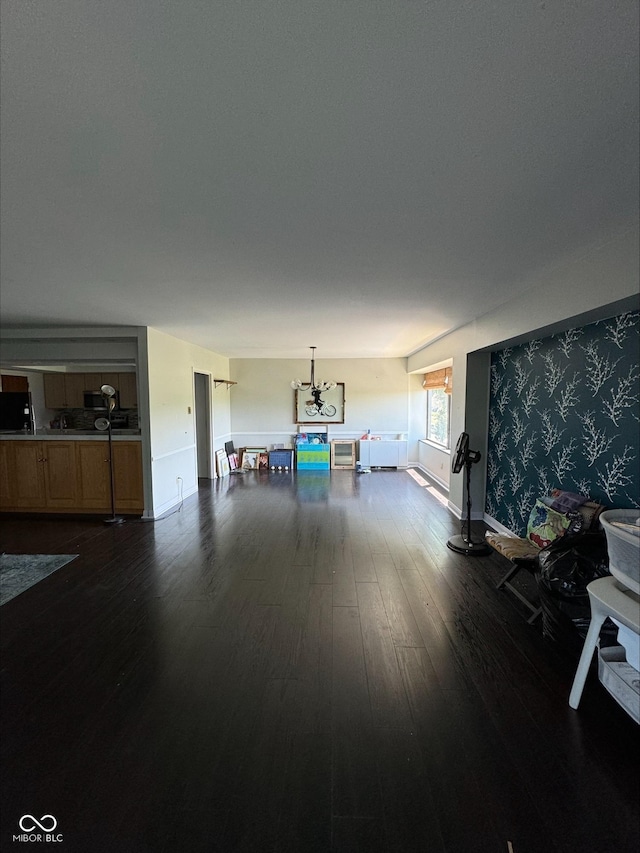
(564, 413)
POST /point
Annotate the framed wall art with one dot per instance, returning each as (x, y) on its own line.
(222, 462)
(250, 458)
(319, 407)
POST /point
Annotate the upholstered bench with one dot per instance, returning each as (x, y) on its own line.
(522, 552)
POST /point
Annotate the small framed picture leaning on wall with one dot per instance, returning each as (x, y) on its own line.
(319, 407)
(222, 463)
(250, 458)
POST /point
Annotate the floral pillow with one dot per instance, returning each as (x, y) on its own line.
(545, 524)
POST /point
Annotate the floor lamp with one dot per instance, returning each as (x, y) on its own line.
(109, 394)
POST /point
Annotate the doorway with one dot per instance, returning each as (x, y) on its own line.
(202, 396)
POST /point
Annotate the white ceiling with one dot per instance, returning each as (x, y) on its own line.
(259, 177)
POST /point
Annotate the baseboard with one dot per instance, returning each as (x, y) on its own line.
(455, 510)
(430, 475)
(174, 503)
(495, 525)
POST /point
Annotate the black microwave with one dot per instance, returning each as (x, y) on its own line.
(94, 400)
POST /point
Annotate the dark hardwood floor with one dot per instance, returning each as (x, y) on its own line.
(297, 664)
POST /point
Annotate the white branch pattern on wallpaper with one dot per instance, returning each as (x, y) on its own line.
(619, 329)
(551, 433)
(528, 450)
(596, 441)
(568, 397)
(564, 413)
(600, 368)
(621, 396)
(615, 476)
(567, 340)
(563, 462)
(530, 350)
(553, 374)
(531, 398)
(522, 376)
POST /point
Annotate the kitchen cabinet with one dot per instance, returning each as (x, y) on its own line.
(66, 390)
(112, 379)
(74, 384)
(93, 475)
(125, 385)
(384, 454)
(60, 477)
(70, 476)
(14, 383)
(6, 475)
(128, 390)
(38, 475)
(55, 392)
(127, 465)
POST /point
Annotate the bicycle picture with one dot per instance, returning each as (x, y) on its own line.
(317, 406)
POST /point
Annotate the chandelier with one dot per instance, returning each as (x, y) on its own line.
(312, 385)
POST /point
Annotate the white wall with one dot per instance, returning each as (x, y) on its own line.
(584, 286)
(170, 400)
(436, 462)
(379, 395)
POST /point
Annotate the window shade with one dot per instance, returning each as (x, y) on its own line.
(439, 380)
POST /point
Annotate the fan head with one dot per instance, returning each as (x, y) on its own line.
(108, 391)
(460, 454)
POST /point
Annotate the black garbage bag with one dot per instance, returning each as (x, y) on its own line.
(565, 568)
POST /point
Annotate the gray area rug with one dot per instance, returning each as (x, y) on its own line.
(18, 572)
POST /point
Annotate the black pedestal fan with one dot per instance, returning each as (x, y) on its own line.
(464, 544)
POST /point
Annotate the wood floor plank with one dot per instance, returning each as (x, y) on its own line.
(389, 706)
(355, 790)
(402, 623)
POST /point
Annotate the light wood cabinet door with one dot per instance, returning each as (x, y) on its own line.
(128, 391)
(92, 381)
(127, 464)
(74, 385)
(28, 485)
(60, 476)
(94, 488)
(112, 379)
(55, 392)
(7, 474)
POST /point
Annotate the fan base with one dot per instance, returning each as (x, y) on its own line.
(114, 520)
(465, 546)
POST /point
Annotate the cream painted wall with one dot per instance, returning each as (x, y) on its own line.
(436, 462)
(171, 364)
(582, 286)
(379, 395)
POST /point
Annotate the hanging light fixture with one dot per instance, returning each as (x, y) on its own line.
(312, 385)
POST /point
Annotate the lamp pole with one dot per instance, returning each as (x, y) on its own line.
(108, 393)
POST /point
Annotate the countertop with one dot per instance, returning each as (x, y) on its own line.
(46, 434)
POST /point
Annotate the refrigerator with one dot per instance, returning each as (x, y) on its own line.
(15, 410)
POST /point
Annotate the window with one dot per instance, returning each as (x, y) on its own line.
(438, 408)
